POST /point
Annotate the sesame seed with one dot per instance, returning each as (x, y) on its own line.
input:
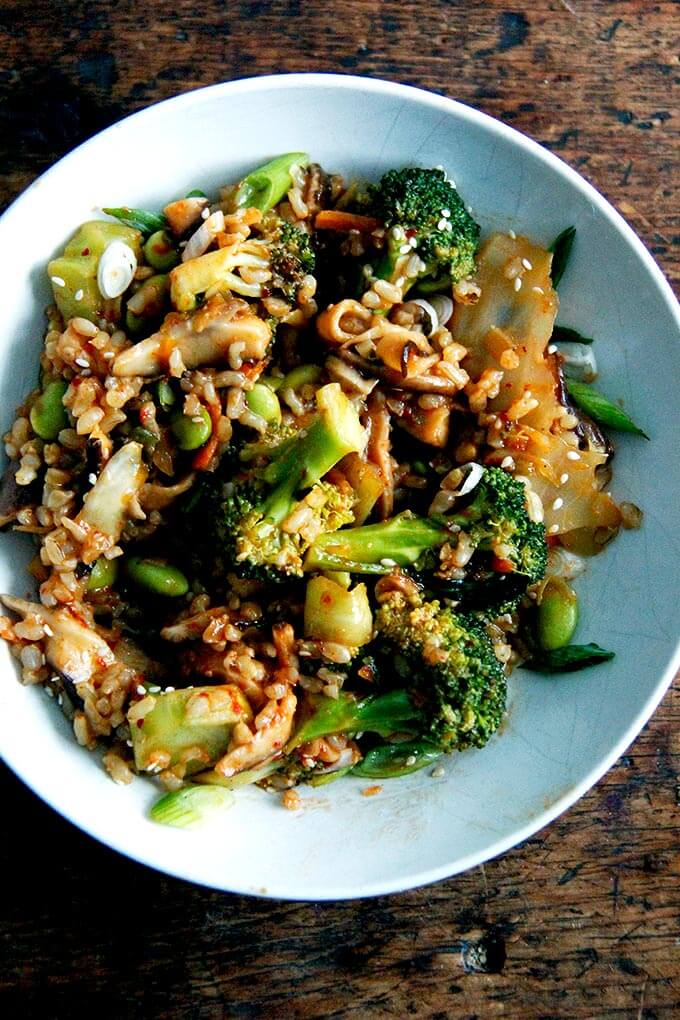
(512, 234)
(498, 424)
(553, 529)
(368, 270)
(468, 209)
(169, 690)
(411, 760)
(57, 281)
(527, 264)
(386, 562)
(443, 224)
(400, 282)
(78, 295)
(92, 478)
(48, 630)
(83, 362)
(129, 743)
(552, 349)
(446, 213)
(438, 772)
(85, 372)
(573, 455)
(518, 283)
(154, 689)
(405, 249)
(413, 242)
(558, 504)
(564, 478)
(141, 690)
(507, 463)
(205, 213)
(107, 355)
(538, 290)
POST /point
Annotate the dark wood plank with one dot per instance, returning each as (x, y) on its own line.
(583, 920)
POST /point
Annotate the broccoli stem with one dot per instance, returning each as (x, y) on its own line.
(264, 187)
(377, 548)
(383, 714)
(336, 432)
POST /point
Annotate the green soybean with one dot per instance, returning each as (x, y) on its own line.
(103, 574)
(301, 376)
(160, 252)
(193, 432)
(48, 415)
(557, 615)
(156, 576)
(263, 401)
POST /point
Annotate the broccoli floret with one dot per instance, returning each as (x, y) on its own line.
(259, 523)
(421, 206)
(292, 258)
(496, 521)
(448, 665)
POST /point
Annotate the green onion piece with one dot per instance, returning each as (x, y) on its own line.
(245, 778)
(190, 806)
(166, 394)
(324, 778)
(266, 186)
(569, 659)
(600, 409)
(561, 249)
(138, 219)
(567, 335)
(390, 760)
(196, 193)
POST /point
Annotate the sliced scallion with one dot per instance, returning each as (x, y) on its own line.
(190, 806)
(600, 409)
(561, 249)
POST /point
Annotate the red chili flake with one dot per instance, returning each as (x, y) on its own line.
(85, 251)
(140, 723)
(553, 540)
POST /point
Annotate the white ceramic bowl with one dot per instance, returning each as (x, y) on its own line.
(561, 734)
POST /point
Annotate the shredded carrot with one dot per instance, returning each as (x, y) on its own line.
(336, 219)
(202, 459)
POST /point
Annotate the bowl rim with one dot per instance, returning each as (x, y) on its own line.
(468, 114)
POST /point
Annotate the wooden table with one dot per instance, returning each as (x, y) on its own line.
(581, 921)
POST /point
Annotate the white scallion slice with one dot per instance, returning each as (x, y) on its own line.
(190, 806)
(116, 269)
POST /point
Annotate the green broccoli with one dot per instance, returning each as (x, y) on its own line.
(251, 523)
(291, 257)
(422, 210)
(496, 521)
(449, 667)
(452, 693)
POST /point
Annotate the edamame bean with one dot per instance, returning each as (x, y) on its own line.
(301, 376)
(557, 615)
(156, 576)
(263, 401)
(103, 574)
(48, 415)
(160, 252)
(191, 433)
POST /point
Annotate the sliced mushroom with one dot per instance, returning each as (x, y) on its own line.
(202, 338)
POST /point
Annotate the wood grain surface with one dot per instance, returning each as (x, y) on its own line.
(581, 921)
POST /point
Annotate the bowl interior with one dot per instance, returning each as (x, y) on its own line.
(560, 734)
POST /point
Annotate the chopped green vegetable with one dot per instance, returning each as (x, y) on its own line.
(103, 574)
(160, 251)
(332, 613)
(565, 334)
(383, 714)
(556, 614)
(73, 274)
(138, 219)
(166, 394)
(568, 659)
(48, 415)
(190, 806)
(390, 760)
(245, 778)
(561, 249)
(600, 409)
(264, 187)
(191, 727)
(156, 576)
(195, 193)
